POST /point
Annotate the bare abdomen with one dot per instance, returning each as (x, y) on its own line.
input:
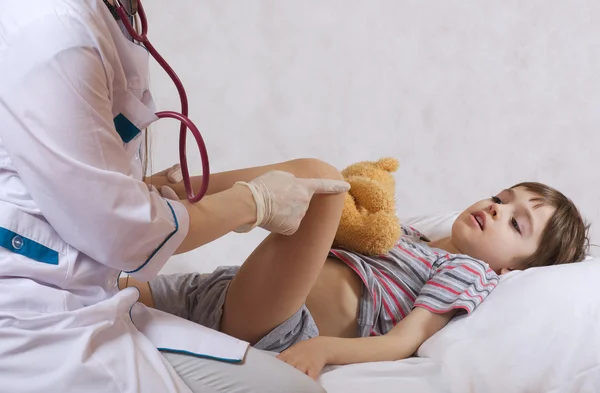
(334, 300)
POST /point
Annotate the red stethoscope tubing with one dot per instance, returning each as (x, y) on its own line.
(183, 116)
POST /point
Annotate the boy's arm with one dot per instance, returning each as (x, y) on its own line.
(399, 343)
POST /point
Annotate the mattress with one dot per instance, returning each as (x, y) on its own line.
(418, 375)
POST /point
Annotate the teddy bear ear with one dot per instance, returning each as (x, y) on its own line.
(389, 164)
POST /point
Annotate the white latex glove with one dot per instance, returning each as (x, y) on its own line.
(173, 175)
(165, 191)
(170, 175)
(282, 199)
(168, 193)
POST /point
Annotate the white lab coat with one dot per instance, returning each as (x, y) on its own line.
(74, 212)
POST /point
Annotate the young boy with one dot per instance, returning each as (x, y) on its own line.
(363, 309)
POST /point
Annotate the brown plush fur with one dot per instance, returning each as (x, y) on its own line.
(369, 224)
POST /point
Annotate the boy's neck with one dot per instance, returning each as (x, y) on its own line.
(446, 245)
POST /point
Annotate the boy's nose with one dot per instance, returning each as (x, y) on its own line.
(493, 210)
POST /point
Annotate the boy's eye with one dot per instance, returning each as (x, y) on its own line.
(515, 225)
(513, 222)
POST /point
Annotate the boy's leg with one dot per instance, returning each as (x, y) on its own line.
(275, 280)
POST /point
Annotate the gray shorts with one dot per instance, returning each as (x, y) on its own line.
(200, 298)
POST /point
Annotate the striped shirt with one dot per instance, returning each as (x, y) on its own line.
(415, 275)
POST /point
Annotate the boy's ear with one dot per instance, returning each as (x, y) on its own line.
(507, 270)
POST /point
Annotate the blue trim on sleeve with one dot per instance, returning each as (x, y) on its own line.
(161, 244)
(126, 129)
(18, 244)
(199, 355)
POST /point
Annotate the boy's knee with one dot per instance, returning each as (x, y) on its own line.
(315, 168)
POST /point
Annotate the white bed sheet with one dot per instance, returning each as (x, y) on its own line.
(418, 375)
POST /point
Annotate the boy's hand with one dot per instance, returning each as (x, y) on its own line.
(402, 341)
(308, 356)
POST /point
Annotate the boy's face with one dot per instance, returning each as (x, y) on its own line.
(503, 230)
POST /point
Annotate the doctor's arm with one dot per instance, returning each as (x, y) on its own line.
(216, 215)
(401, 342)
(221, 181)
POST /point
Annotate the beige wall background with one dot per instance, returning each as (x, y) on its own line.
(472, 96)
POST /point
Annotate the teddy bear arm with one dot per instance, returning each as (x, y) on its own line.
(370, 234)
(371, 195)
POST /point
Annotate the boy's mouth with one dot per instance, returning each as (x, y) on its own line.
(479, 218)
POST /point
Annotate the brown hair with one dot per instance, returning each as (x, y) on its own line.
(565, 237)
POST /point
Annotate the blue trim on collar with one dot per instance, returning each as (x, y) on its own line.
(21, 245)
(126, 129)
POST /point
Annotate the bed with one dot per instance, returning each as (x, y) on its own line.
(420, 375)
(539, 331)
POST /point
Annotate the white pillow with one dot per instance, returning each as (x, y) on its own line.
(434, 227)
(539, 331)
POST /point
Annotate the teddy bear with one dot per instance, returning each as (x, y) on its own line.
(369, 224)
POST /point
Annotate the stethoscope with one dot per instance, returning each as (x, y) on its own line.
(138, 9)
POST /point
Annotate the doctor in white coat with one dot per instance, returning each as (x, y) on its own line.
(75, 212)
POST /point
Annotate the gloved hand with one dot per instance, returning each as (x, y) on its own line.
(282, 199)
(160, 180)
(170, 175)
(165, 191)
(168, 193)
(173, 174)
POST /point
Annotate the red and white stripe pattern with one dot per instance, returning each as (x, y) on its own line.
(416, 275)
